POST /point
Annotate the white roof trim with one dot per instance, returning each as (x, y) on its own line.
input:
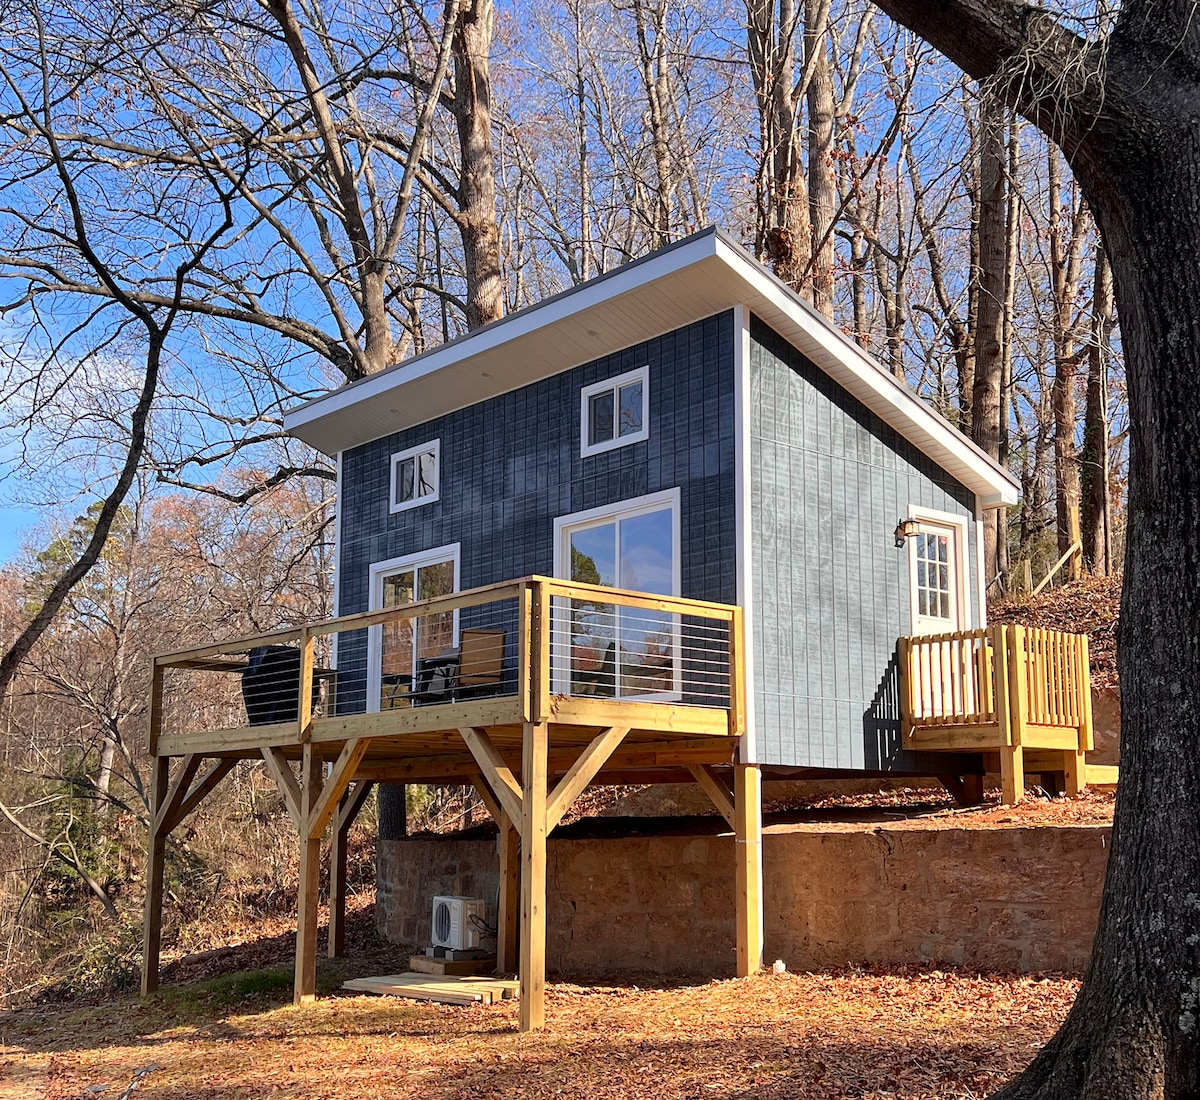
(695, 278)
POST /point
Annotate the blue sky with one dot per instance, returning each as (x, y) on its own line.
(13, 523)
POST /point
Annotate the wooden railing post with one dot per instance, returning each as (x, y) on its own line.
(543, 635)
(526, 658)
(305, 711)
(904, 657)
(1075, 763)
(737, 673)
(1012, 756)
(154, 715)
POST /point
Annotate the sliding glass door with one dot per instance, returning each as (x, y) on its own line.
(603, 648)
(398, 646)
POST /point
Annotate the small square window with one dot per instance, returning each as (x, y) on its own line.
(416, 476)
(615, 412)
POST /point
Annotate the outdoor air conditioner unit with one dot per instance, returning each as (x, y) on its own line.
(457, 922)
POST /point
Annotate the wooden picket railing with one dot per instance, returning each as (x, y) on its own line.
(1002, 688)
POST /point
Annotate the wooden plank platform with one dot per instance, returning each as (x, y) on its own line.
(453, 968)
(456, 990)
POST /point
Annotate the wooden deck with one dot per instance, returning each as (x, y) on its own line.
(1021, 696)
(530, 745)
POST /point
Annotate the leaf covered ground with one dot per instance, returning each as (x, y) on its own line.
(816, 1036)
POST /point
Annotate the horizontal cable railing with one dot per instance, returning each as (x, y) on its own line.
(601, 646)
(525, 641)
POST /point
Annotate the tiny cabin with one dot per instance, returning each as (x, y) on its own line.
(670, 525)
(683, 426)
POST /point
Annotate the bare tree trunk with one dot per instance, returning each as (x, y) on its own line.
(822, 182)
(654, 84)
(783, 229)
(1066, 254)
(989, 323)
(472, 109)
(1093, 458)
(393, 811)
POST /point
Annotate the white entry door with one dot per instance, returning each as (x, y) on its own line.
(936, 576)
(396, 647)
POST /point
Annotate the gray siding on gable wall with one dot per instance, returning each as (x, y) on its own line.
(511, 465)
(829, 480)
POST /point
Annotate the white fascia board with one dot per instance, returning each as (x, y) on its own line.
(848, 365)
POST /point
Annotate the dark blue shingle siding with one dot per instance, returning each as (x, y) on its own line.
(511, 465)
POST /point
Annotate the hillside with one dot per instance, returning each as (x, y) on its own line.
(1091, 606)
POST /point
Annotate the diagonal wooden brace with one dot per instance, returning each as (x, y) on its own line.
(167, 814)
(335, 786)
(719, 794)
(488, 797)
(281, 771)
(497, 773)
(221, 768)
(582, 772)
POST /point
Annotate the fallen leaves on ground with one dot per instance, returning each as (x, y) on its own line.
(817, 1036)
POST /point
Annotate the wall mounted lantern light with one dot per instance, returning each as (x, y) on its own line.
(905, 529)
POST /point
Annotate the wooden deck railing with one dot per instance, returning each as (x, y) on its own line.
(568, 651)
(1008, 688)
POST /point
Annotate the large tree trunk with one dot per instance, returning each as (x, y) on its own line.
(1125, 109)
(822, 183)
(1134, 1029)
(477, 183)
(989, 321)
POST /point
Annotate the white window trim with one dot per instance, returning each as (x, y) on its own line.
(609, 513)
(642, 374)
(959, 524)
(380, 569)
(434, 445)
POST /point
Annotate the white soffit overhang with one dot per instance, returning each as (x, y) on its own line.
(702, 275)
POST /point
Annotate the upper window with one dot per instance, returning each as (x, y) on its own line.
(615, 412)
(416, 475)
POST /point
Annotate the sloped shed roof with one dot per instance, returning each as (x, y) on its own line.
(693, 278)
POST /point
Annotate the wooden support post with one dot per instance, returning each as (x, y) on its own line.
(351, 802)
(1012, 701)
(310, 876)
(747, 808)
(532, 971)
(156, 850)
(1076, 762)
(510, 878)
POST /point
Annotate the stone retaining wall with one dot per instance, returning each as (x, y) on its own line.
(1022, 898)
